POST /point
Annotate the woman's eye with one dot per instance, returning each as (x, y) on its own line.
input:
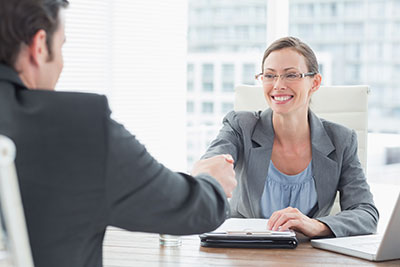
(291, 75)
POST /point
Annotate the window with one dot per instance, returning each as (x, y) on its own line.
(242, 32)
(228, 76)
(226, 107)
(377, 29)
(353, 51)
(190, 72)
(228, 71)
(207, 107)
(249, 70)
(353, 73)
(114, 48)
(190, 86)
(228, 87)
(305, 29)
(305, 10)
(396, 51)
(189, 107)
(328, 30)
(354, 9)
(396, 28)
(208, 77)
(376, 9)
(208, 86)
(190, 78)
(353, 30)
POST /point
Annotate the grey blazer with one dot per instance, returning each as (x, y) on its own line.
(249, 136)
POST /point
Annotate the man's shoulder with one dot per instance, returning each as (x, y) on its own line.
(65, 97)
(66, 102)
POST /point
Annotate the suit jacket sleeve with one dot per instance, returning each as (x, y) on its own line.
(143, 195)
(228, 141)
(359, 214)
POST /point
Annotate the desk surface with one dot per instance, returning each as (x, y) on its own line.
(123, 248)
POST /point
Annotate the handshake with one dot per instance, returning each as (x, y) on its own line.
(221, 168)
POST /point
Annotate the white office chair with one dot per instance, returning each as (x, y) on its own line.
(346, 105)
(14, 232)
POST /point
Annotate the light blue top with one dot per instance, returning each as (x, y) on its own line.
(282, 191)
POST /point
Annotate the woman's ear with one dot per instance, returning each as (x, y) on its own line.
(38, 50)
(316, 82)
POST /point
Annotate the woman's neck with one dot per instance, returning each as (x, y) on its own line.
(291, 129)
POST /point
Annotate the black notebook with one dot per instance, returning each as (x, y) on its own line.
(248, 233)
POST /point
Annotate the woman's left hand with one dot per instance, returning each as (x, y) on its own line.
(292, 218)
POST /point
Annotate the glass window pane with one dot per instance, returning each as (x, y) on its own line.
(249, 70)
(207, 107)
(226, 107)
(189, 106)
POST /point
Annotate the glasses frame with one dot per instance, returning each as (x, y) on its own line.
(302, 75)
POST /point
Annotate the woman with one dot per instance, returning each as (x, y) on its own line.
(289, 163)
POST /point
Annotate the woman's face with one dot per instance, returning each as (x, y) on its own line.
(284, 94)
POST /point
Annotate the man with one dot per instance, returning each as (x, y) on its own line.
(80, 171)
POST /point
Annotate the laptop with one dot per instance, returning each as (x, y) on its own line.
(369, 247)
(14, 241)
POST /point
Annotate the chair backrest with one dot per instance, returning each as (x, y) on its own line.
(14, 232)
(346, 105)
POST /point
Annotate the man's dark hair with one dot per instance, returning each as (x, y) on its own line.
(20, 20)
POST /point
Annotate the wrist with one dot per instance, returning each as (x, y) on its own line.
(322, 229)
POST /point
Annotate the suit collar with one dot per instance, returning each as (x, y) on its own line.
(319, 138)
(10, 75)
(263, 133)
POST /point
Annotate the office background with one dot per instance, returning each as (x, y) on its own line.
(169, 67)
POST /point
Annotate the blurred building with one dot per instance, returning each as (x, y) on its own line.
(363, 37)
(226, 40)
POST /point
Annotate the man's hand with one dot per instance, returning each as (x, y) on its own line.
(292, 218)
(221, 168)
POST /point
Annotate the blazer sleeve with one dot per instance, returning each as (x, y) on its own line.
(359, 215)
(229, 140)
(143, 195)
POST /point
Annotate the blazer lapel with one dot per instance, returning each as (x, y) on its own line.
(324, 168)
(258, 160)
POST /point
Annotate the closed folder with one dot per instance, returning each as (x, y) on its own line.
(248, 233)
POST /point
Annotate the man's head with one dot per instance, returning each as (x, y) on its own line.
(32, 35)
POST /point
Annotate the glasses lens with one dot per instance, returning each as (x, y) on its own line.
(291, 76)
(268, 78)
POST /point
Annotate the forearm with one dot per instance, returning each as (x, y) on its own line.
(358, 221)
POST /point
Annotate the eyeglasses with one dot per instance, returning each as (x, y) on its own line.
(269, 78)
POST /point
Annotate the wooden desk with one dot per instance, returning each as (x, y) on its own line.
(122, 248)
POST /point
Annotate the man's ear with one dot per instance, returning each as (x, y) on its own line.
(38, 50)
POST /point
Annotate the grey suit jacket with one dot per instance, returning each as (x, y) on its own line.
(249, 136)
(80, 171)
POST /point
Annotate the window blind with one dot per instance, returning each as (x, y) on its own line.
(135, 53)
